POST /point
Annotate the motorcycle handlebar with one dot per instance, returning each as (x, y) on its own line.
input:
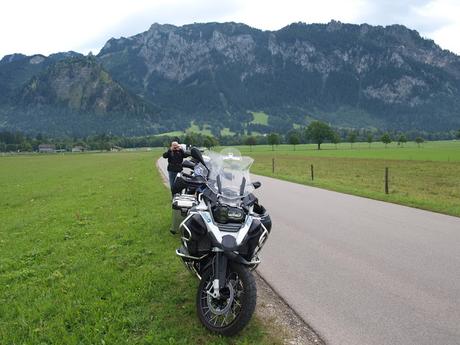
(192, 180)
(188, 164)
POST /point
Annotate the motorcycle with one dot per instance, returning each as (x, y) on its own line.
(222, 228)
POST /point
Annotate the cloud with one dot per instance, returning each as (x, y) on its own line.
(262, 14)
(446, 13)
(434, 19)
(390, 12)
(47, 26)
(273, 15)
(177, 13)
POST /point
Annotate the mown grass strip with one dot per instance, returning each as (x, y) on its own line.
(440, 151)
(429, 185)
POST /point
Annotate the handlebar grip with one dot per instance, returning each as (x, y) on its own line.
(192, 180)
(188, 164)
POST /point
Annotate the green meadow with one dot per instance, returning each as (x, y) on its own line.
(85, 252)
(259, 118)
(446, 151)
(86, 256)
(426, 177)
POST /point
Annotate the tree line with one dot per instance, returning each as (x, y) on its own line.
(19, 142)
(316, 132)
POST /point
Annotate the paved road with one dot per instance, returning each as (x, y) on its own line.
(360, 271)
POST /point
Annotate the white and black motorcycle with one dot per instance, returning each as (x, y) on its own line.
(222, 228)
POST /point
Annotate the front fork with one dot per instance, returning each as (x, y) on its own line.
(219, 269)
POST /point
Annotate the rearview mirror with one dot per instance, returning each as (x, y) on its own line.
(197, 155)
(256, 184)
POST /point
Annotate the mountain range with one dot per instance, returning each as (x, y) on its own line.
(218, 76)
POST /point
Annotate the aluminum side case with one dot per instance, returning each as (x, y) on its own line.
(181, 204)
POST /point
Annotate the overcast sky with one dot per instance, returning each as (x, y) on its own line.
(49, 26)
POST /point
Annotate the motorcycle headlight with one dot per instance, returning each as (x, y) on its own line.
(225, 214)
(235, 214)
(220, 214)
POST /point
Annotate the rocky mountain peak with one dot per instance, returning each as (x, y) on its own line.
(356, 66)
(79, 83)
(156, 27)
(214, 73)
(334, 25)
(12, 58)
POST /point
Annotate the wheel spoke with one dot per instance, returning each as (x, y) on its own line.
(216, 320)
(222, 312)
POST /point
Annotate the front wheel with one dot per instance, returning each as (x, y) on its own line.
(231, 312)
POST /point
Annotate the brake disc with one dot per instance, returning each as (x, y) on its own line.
(215, 303)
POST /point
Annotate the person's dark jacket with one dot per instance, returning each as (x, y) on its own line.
(175, 159)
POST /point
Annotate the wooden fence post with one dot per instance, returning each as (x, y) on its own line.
(273, 165)
(386, 180)
(312, 174)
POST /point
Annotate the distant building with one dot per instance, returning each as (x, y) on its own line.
(78, 148)
(46, 148)
(116, 148)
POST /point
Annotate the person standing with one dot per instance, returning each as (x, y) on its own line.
(175, 156)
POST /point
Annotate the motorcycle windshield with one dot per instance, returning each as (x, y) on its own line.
(229, 174)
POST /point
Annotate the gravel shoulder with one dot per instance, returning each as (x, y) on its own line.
(280, 320)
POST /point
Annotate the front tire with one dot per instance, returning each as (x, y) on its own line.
(230, 313)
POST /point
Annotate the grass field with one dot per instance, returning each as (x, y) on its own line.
(427, 177)
(446, 151)
(86, 256)
(259, 118)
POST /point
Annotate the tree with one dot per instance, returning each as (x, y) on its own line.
(458, 134)
(250, 141)
(352, 138)
(273, 139)
(194, 139)
(318, 132)
(11, 148)
(419, 140)
(386, 139)
(294, 139)
(190, 139)
(335, 139)
(370, 139)
(209, 142)
(25, 146)
(402, 140)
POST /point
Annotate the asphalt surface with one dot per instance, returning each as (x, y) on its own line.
(361, 271)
